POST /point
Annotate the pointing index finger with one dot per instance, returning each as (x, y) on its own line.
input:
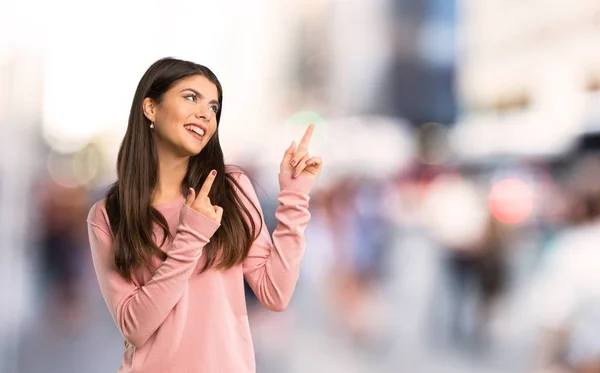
(306, 138)
(208, 183)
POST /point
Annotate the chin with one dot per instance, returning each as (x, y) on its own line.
(187, 149)
(191, 151)
(194, 147)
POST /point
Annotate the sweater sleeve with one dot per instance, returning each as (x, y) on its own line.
(138, 311)
(273, 263)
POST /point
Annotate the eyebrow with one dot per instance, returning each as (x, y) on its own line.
(200, 95)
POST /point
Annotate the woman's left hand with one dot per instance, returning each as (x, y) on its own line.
(298, 161)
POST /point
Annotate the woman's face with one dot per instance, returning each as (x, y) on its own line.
(186, 118)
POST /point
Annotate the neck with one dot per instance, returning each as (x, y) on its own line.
(171, 171)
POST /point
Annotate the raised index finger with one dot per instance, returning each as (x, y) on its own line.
(208, 183)
(306, 138)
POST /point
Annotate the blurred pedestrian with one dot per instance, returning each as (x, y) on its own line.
(567, 294)
(63, 246)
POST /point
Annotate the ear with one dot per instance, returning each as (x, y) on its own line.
(149, 108)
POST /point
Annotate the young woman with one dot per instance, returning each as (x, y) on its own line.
(179, 231)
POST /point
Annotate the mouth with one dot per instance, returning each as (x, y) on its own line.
(196, 130)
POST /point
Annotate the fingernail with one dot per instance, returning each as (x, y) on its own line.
(293, 163)
(295, 174)
(213, 172)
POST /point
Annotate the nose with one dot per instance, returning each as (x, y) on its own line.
(203, 114)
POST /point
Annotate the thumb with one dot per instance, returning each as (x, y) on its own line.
(289, 153)
(219, 213)
(191, 197)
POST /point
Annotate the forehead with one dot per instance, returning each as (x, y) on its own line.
(198, 83)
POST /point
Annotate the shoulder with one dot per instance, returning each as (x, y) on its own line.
(98, 217)
(235, 171)
(240, 176)
(243, 185)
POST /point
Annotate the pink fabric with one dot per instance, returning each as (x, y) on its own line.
(174, 319)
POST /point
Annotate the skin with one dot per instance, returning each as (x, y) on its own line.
(195, 100)
(190, 100)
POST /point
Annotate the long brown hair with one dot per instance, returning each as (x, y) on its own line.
(129, 199)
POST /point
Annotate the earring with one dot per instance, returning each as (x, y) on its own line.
(151, 125)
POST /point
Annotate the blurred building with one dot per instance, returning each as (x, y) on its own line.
(529, 76)
(20, 116)
(399, 52)
(418, 84)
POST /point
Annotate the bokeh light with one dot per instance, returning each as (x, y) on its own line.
(511, 201)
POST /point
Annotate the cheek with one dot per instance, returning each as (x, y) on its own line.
(170, 120)
(180, 113)
(213, 126)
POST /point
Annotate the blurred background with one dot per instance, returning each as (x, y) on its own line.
(455, 225)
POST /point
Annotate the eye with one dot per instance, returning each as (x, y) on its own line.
(191, 97)
(214, 108)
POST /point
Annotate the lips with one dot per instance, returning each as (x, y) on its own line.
(196, 130)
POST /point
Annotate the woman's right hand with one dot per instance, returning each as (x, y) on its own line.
(202, 204)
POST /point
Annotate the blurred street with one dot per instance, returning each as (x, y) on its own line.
(454, 227)
(310, 342)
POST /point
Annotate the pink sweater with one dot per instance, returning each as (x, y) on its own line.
(174, 319)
